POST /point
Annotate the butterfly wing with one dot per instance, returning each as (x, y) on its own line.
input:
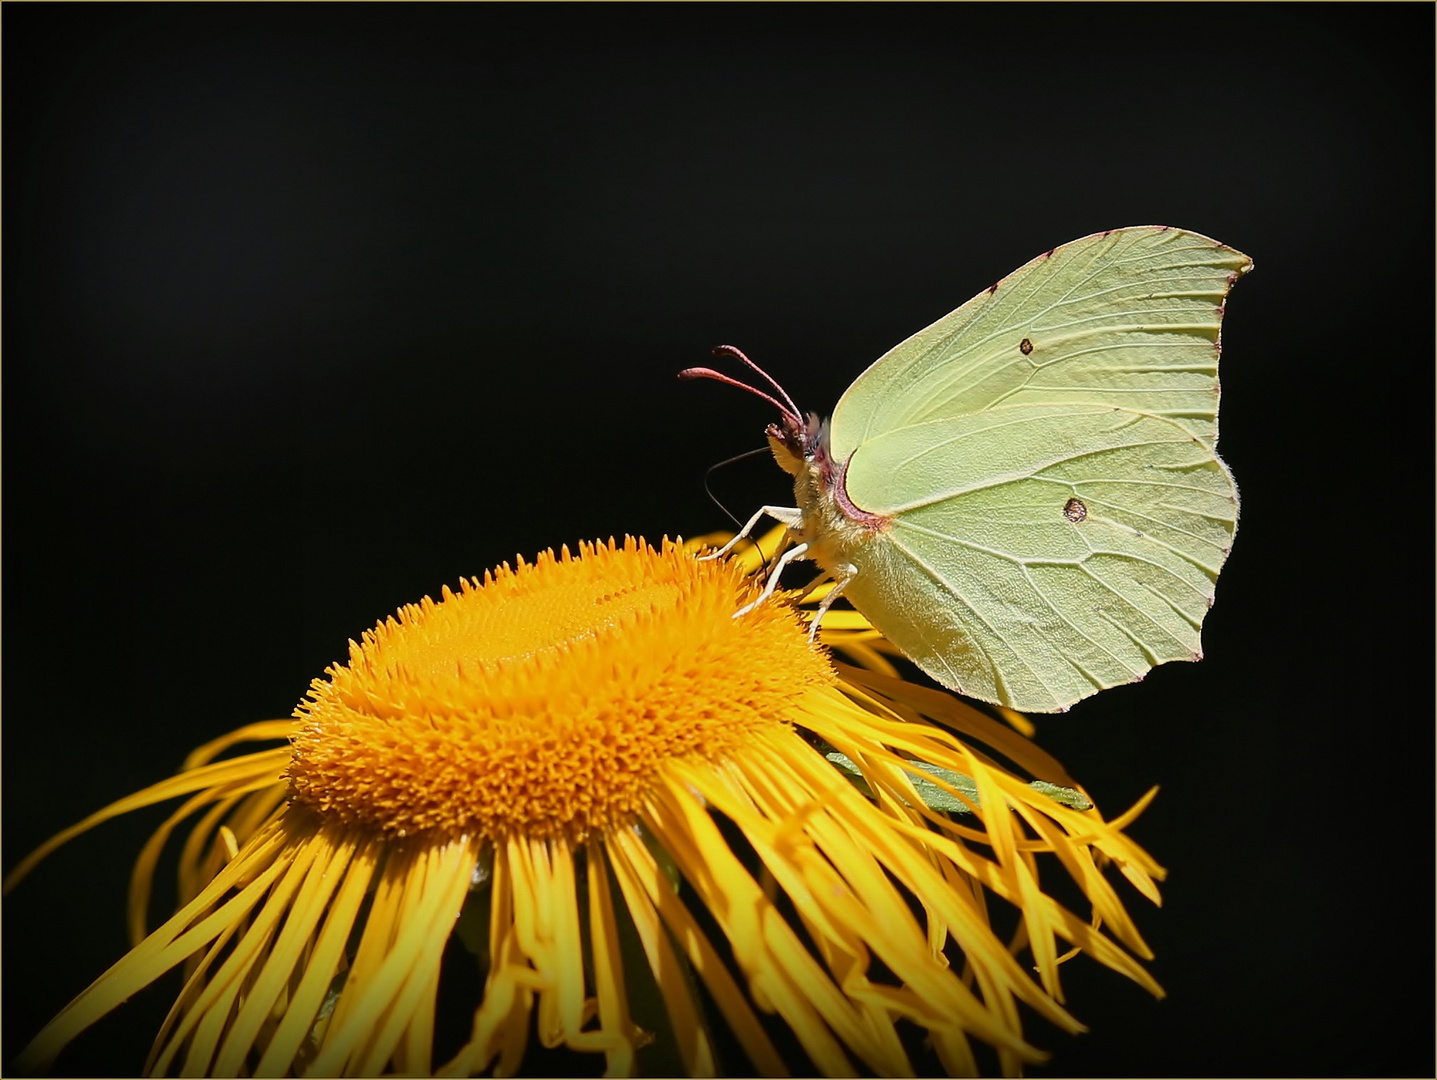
(1046, 457)
(1055, 550)
(1128, 318)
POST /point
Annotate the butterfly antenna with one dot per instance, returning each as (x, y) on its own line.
(733, 350)
(786, 407)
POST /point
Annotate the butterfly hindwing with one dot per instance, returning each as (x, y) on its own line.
(1057, 550)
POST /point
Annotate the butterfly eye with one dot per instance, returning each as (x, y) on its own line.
(1074, 510)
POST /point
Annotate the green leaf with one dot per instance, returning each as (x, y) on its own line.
(938, 798)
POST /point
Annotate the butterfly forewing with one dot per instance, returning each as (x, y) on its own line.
(1128, 318)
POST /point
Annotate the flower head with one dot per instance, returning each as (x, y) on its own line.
(544, 701)
(629, 794)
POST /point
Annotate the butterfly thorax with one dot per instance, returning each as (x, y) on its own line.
(833, 527)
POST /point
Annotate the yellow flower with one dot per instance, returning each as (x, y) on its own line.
(629, 794)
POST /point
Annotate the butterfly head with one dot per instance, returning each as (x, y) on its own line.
(797, 444)
(795, 441)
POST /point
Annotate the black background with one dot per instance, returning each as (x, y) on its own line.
(311, 310)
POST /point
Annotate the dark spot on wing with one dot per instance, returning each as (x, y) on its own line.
(1025, 347)
(1074, 510)
(993, 288)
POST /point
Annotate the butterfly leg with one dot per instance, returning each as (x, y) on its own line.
(839, 584)
(795, 552)
(791, 516)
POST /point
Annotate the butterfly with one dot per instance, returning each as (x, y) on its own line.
(1025, 497)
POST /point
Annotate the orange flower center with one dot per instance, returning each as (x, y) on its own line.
(542, 700)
